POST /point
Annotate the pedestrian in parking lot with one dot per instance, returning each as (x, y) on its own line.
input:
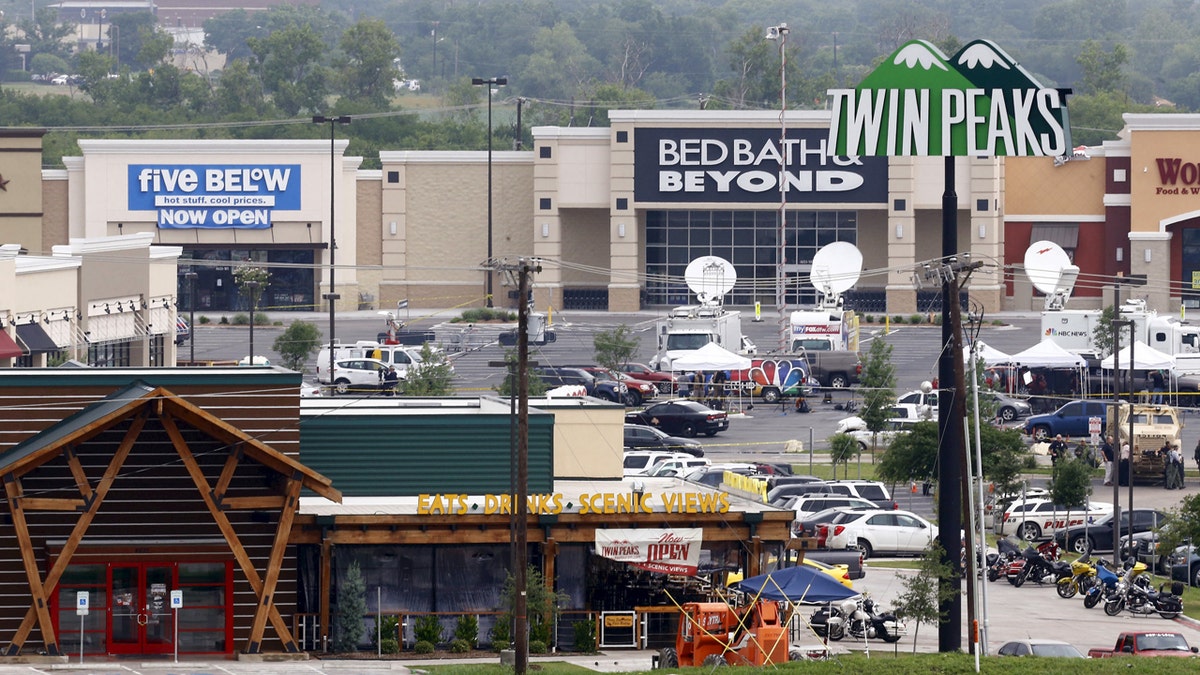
(390, 380)
(1106, 451)
(1058, 448)
(1196, 455)
(1173, 468)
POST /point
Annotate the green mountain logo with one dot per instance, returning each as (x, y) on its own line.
(978, 103)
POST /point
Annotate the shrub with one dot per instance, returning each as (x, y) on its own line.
(386, 627)
(224, 321)
(897, 319)
(460, 646)
(539, 631)
(537, 647)
(1029, 462)
(585, 636)
(389, 646)
(868, 319)
(467, 629)
(480, 314)
(204, 320)
(423, 647)
(428, 629)
(916, 319)
(501, 636)
(241, 319)
(351, 606)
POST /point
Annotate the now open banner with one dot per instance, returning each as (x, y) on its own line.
(669, 551)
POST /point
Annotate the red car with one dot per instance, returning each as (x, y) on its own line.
(640, 390)
(666, 382)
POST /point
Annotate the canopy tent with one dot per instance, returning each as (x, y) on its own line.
(1145, 357)
(711, 356)
(990, 355)
(1047, 354)
(798, 584)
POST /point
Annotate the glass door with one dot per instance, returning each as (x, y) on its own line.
(141, 619)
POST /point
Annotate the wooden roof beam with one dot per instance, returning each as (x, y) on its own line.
(41, 607)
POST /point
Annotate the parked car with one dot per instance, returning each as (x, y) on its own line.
(183, 331)
(1008, 408)
(603, 389)
(685, 418)
(839, 572)
(639, 462)
(871, 490)
(713, 475)
(777, 495)
(1069, 420)
(310, 390)
(664, 381)
(358, 375)
(882, 531)
(668, 468)
(1040, 647)
(1184, 565)
(895, 427)
(639, 391)
(1035, 519)
(806, 506)
(1098, 536)
(642, 437)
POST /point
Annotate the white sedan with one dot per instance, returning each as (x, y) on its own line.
(882, 531)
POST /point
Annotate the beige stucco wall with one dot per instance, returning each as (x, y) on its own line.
(1034, 186)
(1156, 202)
(20, 189)
(588, 439)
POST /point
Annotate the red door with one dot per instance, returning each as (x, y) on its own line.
(140, 617)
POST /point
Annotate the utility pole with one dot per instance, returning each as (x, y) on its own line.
(1117, 325)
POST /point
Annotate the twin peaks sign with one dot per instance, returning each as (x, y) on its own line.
(978, 103)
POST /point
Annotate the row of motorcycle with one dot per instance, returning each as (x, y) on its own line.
(859, 617)
(1126, 589)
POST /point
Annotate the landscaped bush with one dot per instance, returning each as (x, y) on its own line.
(389, 646)
(868, 319)
(501, 636)
(537, 647)
(204, 320)
(916, 319)
(481, 314)
(897, 319)
(428, 629)
(467, 629)
(460, 646)
(585, 636)
(423, 647)
(241, 319)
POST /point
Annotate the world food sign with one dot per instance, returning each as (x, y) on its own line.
(979, 103)
(237, 196)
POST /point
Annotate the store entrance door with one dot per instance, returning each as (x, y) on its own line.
(141, 619)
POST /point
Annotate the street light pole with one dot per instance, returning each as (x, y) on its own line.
(780, 34)
(252, 287)
(332, 295)
(497, 81)
(191, 278)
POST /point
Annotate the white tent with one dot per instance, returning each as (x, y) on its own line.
(1145, 357)
(1047, 354)
(990, 355)
(711, 356)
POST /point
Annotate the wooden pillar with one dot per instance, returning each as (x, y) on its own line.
(326, 589)
(756, 552)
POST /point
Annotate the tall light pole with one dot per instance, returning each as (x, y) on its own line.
(779, 33)
(252, 287)
(489, 82)
(191, 279)
(332, 295)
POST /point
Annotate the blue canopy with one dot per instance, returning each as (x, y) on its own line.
(798, 584)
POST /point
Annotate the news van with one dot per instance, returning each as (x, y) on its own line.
(400, 356)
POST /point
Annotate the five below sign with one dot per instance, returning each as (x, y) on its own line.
(978, 103)
(214, 196)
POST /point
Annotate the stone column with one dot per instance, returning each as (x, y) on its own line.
(1150, 254)
(901, 234)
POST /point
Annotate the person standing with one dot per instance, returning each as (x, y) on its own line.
(1123, 467)
(1106, 451)
(1174, 467)
(1157, 383)
(1058, 448)
(390, 379)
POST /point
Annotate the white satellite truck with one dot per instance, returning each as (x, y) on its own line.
(690, 327)
(1051, 272)
(829, 327)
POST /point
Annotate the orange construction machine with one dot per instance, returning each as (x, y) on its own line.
(712, 633)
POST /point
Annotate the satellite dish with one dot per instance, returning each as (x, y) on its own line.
(710, 278)
(835, 269)
(1050, 271)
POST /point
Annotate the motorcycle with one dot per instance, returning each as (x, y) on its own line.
(1137, 595)
(1083, 576)
(998, 562)
(859, 618)
(1039, 565)
(1106, 584)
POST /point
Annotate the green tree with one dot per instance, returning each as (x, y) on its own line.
(878, 386)
(241, 92)
(48, 64)
(912, 456)
(559, 65)
(1071, 482)
(131, 30)
(1102, 70)
(1102, 334)
(925, 591)
(351, 608)
(296, 343)
(289, 63)
(227, 33)
(432, 377)
(754, 65)
(541, 603)
(615, 348)
(506, 388)
(842, 448)
(371, 52)
(46, 35)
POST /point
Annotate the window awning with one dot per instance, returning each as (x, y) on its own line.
(1065, 235)
(9, 349)
(36, 339)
